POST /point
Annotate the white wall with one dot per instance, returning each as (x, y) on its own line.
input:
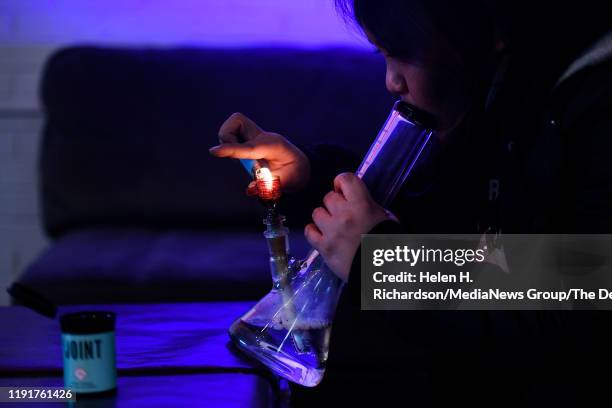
(31, 29)
(21, 238)
(207, 22)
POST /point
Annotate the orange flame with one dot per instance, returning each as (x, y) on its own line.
(268, 186)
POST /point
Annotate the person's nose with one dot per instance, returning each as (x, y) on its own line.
(395, 82)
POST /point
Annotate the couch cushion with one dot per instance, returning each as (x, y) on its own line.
(140, 265)
(127, 131)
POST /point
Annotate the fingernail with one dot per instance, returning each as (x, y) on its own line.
(214, 149)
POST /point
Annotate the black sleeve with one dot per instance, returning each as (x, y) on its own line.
(326, 162)
(587, 130)
(541, 353)
(561, 349)
(353, 286)
(593, 197)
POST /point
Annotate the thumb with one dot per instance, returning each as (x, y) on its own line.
(238, 128)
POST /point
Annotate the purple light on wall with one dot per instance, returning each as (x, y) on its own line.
(223, 23)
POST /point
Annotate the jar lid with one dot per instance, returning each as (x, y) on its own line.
(88, 322)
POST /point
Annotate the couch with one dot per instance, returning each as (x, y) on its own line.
(135, 208)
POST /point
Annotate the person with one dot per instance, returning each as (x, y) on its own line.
(522, 97)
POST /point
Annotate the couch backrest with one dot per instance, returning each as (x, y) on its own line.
(127, 131)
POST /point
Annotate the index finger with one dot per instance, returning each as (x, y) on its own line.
(238, 151)
(238, 128)
(350, 186)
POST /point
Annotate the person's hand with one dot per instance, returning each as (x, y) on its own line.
(348, 212)
(241, 138)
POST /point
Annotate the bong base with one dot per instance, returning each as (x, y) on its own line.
(276, 350)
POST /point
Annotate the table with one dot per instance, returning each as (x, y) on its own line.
(167, 355)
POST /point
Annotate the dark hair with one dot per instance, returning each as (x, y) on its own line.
(469, 28)
(407, 29)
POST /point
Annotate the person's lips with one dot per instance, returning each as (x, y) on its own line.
(433, 118)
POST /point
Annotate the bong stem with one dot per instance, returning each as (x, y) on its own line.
(276, 235)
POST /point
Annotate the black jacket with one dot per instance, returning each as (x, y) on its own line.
(537, 160)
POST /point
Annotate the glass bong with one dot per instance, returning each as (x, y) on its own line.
(289, 329)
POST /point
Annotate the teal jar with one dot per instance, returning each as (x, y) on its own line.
(88, 350)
